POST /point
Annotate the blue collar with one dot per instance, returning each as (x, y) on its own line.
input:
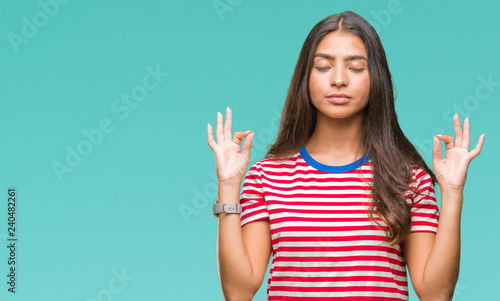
(330, 168)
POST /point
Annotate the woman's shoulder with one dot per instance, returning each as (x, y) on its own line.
(273, 162)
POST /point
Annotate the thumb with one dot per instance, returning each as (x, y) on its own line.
(247, 145)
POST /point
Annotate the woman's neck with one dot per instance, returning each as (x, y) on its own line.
(336, 141)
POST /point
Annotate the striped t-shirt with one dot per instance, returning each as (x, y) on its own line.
(324, 246)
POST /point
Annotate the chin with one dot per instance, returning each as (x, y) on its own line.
(341, 115)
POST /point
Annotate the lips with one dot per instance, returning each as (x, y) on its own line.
(338, 95)
(338, 98)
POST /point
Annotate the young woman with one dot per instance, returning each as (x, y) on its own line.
(342, 201)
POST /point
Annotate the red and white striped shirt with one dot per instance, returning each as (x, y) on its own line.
(324, 245)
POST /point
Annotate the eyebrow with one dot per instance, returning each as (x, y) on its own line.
(349, 58)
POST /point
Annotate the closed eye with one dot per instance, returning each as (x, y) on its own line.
(326, 68)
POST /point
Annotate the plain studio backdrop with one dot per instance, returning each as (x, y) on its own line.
(103, 130)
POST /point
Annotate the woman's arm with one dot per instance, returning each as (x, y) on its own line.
(242, 253)
(433, 260)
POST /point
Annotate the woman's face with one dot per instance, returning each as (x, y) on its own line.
(340, 66)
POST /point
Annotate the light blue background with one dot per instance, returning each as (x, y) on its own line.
(120, 208)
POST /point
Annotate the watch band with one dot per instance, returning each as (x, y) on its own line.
(226, 208)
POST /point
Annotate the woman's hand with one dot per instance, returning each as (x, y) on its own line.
(451, 171)
(231, 163)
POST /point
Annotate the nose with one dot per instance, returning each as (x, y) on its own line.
(339, 77)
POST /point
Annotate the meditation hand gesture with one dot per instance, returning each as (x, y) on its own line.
(231, 163)
(451, 171)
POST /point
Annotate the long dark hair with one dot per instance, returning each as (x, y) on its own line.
(393, 156)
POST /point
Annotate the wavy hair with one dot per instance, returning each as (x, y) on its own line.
(393, 156)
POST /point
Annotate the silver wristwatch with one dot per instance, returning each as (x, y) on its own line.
(226, 208)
